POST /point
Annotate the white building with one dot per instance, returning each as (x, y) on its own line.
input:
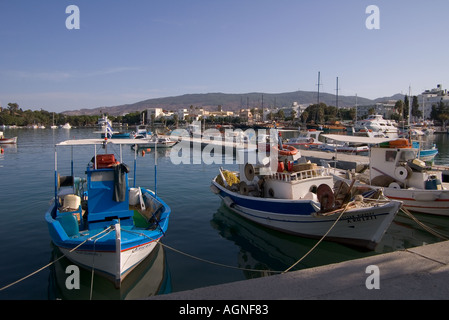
(157, 112)
(432, 97)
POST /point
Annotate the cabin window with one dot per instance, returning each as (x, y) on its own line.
(390, 156)
(408, 155)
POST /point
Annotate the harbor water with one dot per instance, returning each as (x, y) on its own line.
(205, 244)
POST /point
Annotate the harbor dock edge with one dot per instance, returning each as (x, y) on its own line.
(420, 273)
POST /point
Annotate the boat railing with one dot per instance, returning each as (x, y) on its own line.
(288, 176)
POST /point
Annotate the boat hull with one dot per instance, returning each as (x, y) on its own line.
(8, 140)
(104, 262)
(362, 227)
(423, 201)
(109, 254)
(112, 249)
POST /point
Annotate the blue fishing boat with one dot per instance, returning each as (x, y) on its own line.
(100, 222)
(425, 154)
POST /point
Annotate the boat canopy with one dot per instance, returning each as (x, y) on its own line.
(357, 139)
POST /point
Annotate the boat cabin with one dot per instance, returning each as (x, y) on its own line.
(107, 184)
(397, 166)
(108, 195)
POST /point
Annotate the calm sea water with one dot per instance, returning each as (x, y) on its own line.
(199, 226)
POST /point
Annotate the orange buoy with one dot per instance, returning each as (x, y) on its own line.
(288, 150)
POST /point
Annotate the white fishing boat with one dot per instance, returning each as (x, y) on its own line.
(394, 166)
(157, 141)
(301, 200)
(4, 140)
(100, 222)
(306, 140)
(66, 126)
(344, 147)
(142, 132)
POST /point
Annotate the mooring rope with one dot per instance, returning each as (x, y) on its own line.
(407, 212)
(201, 259)
(247, 269)
(54, 261)
(93, 262)
(425, 227)
(322, 238)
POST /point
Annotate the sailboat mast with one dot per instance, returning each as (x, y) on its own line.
(318, 98)
(337, 94)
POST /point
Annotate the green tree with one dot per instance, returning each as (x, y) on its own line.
(415, 108)
(399, 106)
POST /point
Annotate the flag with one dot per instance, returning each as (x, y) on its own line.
(108, 130)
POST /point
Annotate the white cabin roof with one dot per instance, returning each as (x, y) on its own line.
(87, 142)
(357, 139)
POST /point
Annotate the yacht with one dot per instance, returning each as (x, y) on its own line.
(377, 123)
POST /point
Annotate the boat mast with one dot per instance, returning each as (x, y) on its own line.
(337, 94)
(318, 98)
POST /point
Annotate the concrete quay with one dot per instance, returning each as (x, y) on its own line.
(420, 273)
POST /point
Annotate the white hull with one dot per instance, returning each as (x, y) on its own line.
(8, 140)
(106, 263)
(358, 227)
(422, 201)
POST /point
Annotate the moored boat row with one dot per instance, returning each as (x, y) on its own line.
(102, 223)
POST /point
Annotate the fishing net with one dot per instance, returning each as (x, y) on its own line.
(230, 178)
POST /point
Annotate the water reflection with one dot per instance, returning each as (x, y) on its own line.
(151, 277)
(272, 251)
(265, 249)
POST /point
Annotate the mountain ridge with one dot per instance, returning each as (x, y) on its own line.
(232, 102)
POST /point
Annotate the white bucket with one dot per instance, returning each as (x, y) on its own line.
(72, 201)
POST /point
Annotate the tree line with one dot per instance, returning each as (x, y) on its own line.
(14, 115)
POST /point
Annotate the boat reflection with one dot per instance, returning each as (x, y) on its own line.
(151, 277)
(404, 232)
(272, 252)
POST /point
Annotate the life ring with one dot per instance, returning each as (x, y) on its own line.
(288, 150)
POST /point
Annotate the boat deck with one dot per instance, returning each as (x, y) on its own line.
(345, 161)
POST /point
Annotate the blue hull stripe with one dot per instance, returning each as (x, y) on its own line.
(279, 206)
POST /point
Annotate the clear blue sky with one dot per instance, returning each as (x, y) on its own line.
(128, 51)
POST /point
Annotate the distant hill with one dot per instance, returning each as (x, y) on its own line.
(232, 102)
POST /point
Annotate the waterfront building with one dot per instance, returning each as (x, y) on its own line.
(433, 97)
